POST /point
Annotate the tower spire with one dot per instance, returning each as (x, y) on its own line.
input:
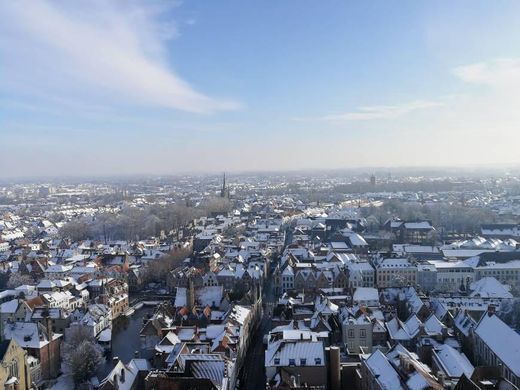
(223, 190)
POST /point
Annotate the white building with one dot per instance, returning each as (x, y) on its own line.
(396, 271)
(361, 274)
(300, 354)
(451, 276)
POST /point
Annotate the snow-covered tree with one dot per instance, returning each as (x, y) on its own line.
(75, 230)
(509, 312)
(81, 354)
(17, 279)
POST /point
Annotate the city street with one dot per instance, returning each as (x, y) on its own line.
(253, 372)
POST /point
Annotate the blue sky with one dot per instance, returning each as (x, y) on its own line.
(110, 87)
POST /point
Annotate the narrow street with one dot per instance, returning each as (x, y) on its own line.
(252, 375)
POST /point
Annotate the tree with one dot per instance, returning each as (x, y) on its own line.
(238, 291)
(4, 278)
(234, 230)
(158, 269)
(509, 312)
(217, 206)
(82, 354)
(32, 232)
(17, 279)
(75, 230)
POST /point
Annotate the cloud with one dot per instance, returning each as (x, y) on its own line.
(382, 112)
(482, 119)
(497, 73)
(501, 77)
(114, 53)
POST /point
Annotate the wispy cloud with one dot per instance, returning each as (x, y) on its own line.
(497, 73)
(369, 113)
(382, 112)
(115, 53)
(501, 76)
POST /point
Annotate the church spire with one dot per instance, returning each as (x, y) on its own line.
(223, 190)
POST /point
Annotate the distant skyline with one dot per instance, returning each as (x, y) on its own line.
(140, 87)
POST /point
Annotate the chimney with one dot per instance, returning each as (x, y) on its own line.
(116, 382)
(405, 363)
(441, 377)
(335, 369)
(191, 294)
(48, 325)
(421, 329)
(491, 310)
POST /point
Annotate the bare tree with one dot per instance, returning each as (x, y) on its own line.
(157, 270)
(82, 354)
(217, 205)
(75, 230)
(17, 279)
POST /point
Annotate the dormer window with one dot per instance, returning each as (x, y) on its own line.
(276, 361)
(317, 361)
(303, 362)
(292, 362)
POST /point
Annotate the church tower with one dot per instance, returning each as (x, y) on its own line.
(223, 191)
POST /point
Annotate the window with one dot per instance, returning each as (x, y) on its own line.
(351, 333)
(292, 362)
(303, 361)
(276, 361)
(13, 369)
(363, 333)
(317, 361)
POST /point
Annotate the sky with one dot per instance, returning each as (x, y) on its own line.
(164, 87)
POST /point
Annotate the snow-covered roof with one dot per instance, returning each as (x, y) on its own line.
(452, 361)
(284, 353)
(360, 266)
(383, 371)
(212, 370)
(433, 326)
(418, 225)
(410, 248)
(489, 287)
(402, 331)
(239, 314)
(168, 343)
(105, 335)
(288, 271)
(416, 381)
(28, 334)
(213, 331)
(463, 322)
(365, 294)
(58, 268)
(209, 296)
(9, 307)
(180, 297)
(131, 370)
(501, 339)
(356, 240)
(339, 245)
(395, 263)
(45, 283)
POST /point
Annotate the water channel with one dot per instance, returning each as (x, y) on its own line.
(126, 340)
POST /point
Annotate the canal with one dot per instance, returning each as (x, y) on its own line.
(125, 340)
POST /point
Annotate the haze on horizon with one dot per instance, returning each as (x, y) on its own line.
(106, 88)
